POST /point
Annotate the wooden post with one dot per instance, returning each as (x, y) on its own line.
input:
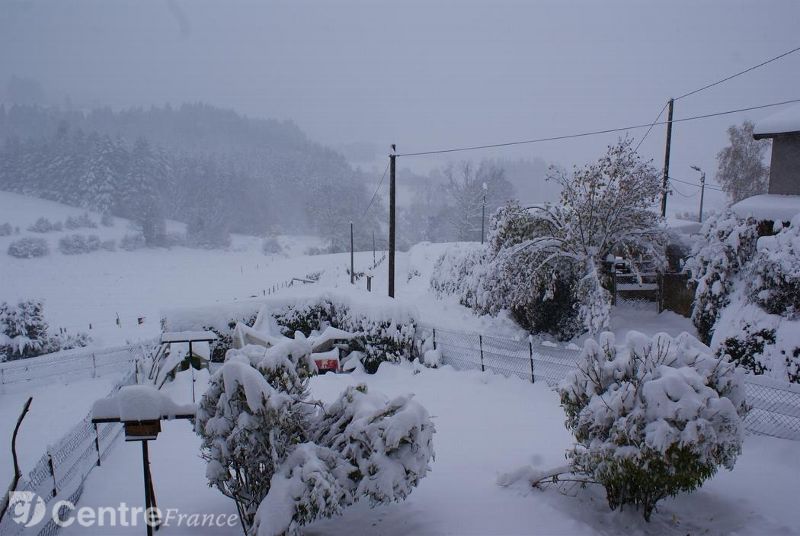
(434, 338)
(191, 367)
(17, 472)
(94, 366)
(530, 350)
(97, 444)
(374, 262)
(352, 261)
(392, 159)
(665, 181)
(52, 470)
(480, 343)
(147, 483)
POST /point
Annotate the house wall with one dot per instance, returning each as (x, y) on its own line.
(784, 175)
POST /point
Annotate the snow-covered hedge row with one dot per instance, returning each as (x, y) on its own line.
(748, 296)
(286, 459)
(77, 244)
(385, 330)
(653, 417)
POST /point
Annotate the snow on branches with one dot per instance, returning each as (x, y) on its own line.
(542, 262)
(286, 459)
(652, 417)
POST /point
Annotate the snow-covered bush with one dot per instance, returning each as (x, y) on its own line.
(43, 225)
(108, 245)
(80, 222)
(287, 460)
(380, 337)
(271, 246)
(77, 244)
(727, 243)
(107, 220)
(774, 279)
(653, 417)
(6, 229)
(24, 332)
(131, 242)
(28, 248)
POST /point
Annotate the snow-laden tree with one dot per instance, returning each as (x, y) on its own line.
(467, 186)
(24, 332)
(653, 417)
(727, 243)
(741, 170)
(543, 263)
(286, 459)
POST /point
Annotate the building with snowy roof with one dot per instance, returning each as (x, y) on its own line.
(782, 200)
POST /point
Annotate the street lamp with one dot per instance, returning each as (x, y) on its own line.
(702, 189)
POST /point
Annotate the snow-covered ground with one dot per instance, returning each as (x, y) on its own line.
(486, 425)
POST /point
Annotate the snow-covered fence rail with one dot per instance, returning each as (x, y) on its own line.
(775, 405)
(70, 364)
(60, 473)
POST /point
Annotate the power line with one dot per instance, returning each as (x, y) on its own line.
(677, 191)
(708, 186)
(376, 191)
(594, 132)
(698, 90)
(651, 126)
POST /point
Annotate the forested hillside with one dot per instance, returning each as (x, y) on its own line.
(216, 170)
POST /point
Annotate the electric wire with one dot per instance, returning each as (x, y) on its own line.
(593, 132)
(650, 128)
(376, 192)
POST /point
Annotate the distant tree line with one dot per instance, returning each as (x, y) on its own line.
(215, 170)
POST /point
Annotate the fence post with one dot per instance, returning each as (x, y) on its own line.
(97, 444)
(480, 343)
(530, 350)
(52, 472)
(94, 366)
(434, 338)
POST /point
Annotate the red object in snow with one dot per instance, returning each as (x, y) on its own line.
(327, 365)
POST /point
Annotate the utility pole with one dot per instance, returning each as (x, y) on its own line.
(374, 262)
(702, 190)
(352, 262)
(392, 158)
(483, 213)
(665, 183)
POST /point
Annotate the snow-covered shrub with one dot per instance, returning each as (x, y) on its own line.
(432, 358)
(28, 248)
(380, 337)
(774, 279)
(727, 243)
(653, 417)
(131, 242)
(6, 229)
(108, 245)
(458, 273)
(24, 332)
(43, 225)
(80, 222)
(746, 348)
(107, 220)
(287, 460)
(77, 244)
(271, 246)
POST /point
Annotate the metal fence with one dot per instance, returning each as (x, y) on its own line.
(775, 407)
(62, 470)
(72, 364)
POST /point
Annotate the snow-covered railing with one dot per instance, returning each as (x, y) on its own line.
(69, 365)
(62, 470)
(775, 405)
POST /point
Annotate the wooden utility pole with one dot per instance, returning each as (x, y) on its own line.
(665, 182)
(352, 260)
(392, 158)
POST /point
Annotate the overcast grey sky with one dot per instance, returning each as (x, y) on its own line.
(421, 74)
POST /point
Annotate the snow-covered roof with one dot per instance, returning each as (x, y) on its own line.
(782, 122)
(771, 207)
(186, 336)
(139, 403)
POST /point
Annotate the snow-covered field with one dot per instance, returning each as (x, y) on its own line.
(487, 425)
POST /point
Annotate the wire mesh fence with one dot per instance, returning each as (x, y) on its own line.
(72, 364)
(62, 470)
(775, 407)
